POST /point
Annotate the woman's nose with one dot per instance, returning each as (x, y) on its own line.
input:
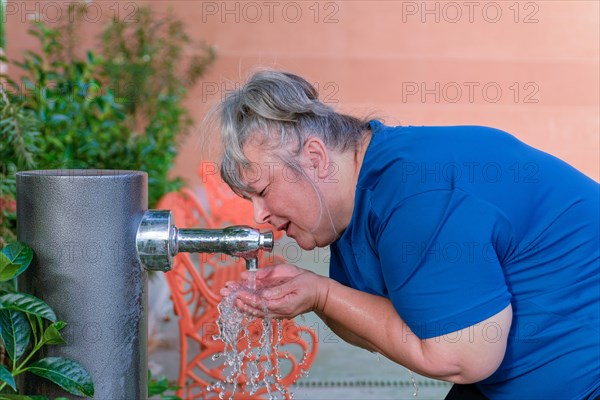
(261, 215)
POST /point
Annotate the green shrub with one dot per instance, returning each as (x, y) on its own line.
(116, 108)
(19, 141)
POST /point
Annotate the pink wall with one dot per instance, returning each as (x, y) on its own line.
(528, 67)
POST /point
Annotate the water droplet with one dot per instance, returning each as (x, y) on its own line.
(414, 383)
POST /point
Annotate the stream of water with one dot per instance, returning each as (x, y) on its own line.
(251, 353)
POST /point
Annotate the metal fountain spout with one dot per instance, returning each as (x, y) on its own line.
(158, 240)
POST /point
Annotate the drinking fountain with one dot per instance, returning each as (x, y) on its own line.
(93, 240)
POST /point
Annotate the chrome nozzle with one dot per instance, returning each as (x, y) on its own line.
(158, 240)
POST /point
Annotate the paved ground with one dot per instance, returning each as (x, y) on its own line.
(340, 371)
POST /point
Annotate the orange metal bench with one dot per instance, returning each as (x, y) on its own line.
(195, 281)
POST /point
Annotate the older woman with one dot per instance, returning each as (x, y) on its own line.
(458, 252)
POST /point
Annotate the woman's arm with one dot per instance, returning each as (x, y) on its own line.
(371, 322)
(347, 335)
(465, 356)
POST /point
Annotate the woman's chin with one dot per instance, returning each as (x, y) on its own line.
(305, 244)
(310, 243)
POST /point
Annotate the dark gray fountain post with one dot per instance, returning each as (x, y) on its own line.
(82, 226)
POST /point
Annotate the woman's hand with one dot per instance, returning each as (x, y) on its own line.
(292, 291)
(283, 291)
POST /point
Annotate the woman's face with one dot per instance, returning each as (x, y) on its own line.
(288, 199)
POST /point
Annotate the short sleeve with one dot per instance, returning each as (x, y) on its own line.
(438, 253)
(336, 270)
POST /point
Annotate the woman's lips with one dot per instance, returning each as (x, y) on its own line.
(285, 227)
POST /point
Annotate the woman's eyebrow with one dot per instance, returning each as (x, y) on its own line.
(249, 191)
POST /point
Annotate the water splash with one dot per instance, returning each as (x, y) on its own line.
(251, 352)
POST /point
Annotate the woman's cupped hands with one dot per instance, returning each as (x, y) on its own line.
(282, 291)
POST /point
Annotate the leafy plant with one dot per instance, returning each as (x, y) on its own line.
(22, 319)
(83, 124)
(160, 386)
(146, 65)
(120, 107)
(19, 136)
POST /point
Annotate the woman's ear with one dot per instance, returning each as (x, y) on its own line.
(317, 157)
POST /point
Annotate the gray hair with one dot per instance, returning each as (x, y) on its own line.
(284, 110)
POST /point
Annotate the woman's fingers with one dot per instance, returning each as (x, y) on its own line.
(248, 297)
(250, 303)
(233, 285)
(289, 299)
(282, 305)
(280, 292)
(249, 309)
(276, 292)
(281, 308)
(271, 275)
(229, 287)
(278, 271)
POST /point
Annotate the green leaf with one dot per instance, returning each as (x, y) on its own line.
(157, 386)
(56, 118)
(14, 259)
(66, 373)
(27, 303)
(7, 287)
(33, 323)
(52, 335)
(4, 260)
(15, 333)
(21, 397)
(6, 376)
(18, 253)
(10, 271)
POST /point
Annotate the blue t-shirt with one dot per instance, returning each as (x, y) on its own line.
(454, 223)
